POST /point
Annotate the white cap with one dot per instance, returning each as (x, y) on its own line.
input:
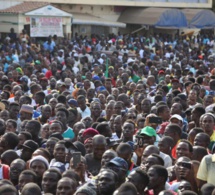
(130, 60)
(75, 55)
(177, 117)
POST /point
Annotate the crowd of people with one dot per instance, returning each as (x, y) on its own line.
(107, 115)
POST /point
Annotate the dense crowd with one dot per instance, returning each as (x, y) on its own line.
(107, 114)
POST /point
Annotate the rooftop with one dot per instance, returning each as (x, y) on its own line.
(24, 7)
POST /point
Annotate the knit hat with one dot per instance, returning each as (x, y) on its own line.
(90, 132)
(86, 190)
(39, 158)
(27, 108)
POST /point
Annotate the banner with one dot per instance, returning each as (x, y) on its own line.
(45, 26)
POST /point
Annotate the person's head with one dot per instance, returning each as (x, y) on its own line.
(107, 181)
(152, 159)
(192, 134)
(66, 186)
(8, 156)
(157, 177)
(46, 111)
(39, 165)
(72, 175)
(139, 178)
(184, 148)
(25, 177)
(148, 135)
(81, 100)
(208, 122)
(128, 129)
(23, 136)
(166, 144)
(104, 129)
(56, 127)
(119, 166)
(124, 151)
(118, 106)
(85, 190)
(126, 189)
(202, 139)
(11, 125)
(173, 131)
(8, 141)
(31, 189)
(184, 185)
(39, 97)
(208, 100)
(4, 115)
(28, 147)
(50, 180)
(207, 189)
(59, 151)
(176, 108)
(62, 115)
(14, 110)
(196, 113)
(183, 168)
(198, 153)
(96, 109)
(8, 190)
(163, 112)
(16, 167)
(107, 157)
(33, 127)
(99, 146)
(26, 112)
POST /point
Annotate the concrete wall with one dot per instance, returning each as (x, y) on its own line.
(8, 21)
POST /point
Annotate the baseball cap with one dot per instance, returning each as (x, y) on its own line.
(175, 80)
(69, 144)
(177, 116)
(73, 102)
(119, 162)
(24, 79)
(149, 131)
(130, 60)
(96, 77)
(30, 144)
(161, 72)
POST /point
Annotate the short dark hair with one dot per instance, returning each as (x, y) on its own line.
(188, 143)
(143, 175)
(8, 188)
(127, 187)
(123, 147)
(41, 94)
(64, 110)
(57, 122)
(12, 138)
(53, 170)
(161, 171)
(31, 173)
(161, 161)
(199, 109)
(161, 108)
(37, 125)
(101, 127)
(175, 127)
(14, 123)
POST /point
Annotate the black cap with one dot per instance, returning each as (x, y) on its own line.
(30, 144)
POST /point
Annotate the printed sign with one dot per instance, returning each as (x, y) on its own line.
(45, 26)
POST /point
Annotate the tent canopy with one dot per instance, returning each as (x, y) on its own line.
(203, 19)
(88, 19)
(160, 17)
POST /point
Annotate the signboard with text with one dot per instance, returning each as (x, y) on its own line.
(45, 26)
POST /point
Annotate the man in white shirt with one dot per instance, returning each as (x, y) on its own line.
(83, 109)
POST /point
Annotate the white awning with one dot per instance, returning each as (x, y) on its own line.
(87, 19)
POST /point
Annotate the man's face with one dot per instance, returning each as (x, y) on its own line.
(117, 124)
(169, 132)
(61, 116)
(65, 187)
(82, 104)
(200, 141)
(106, 183)
(96, 110)
(59, 152)
(15, 170)
(46, 112)
(14, 111)
(117, 108)
(154, 179)
(183, 150)
(208, 124)
(38, 167)
(49, 182)
(175, 109)
(98, 150)
(55, 128)
(128, 130)
(165, 114)
(146, 106)
(181, 169)
(24, 179)
(164, 147)
(208, 101)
